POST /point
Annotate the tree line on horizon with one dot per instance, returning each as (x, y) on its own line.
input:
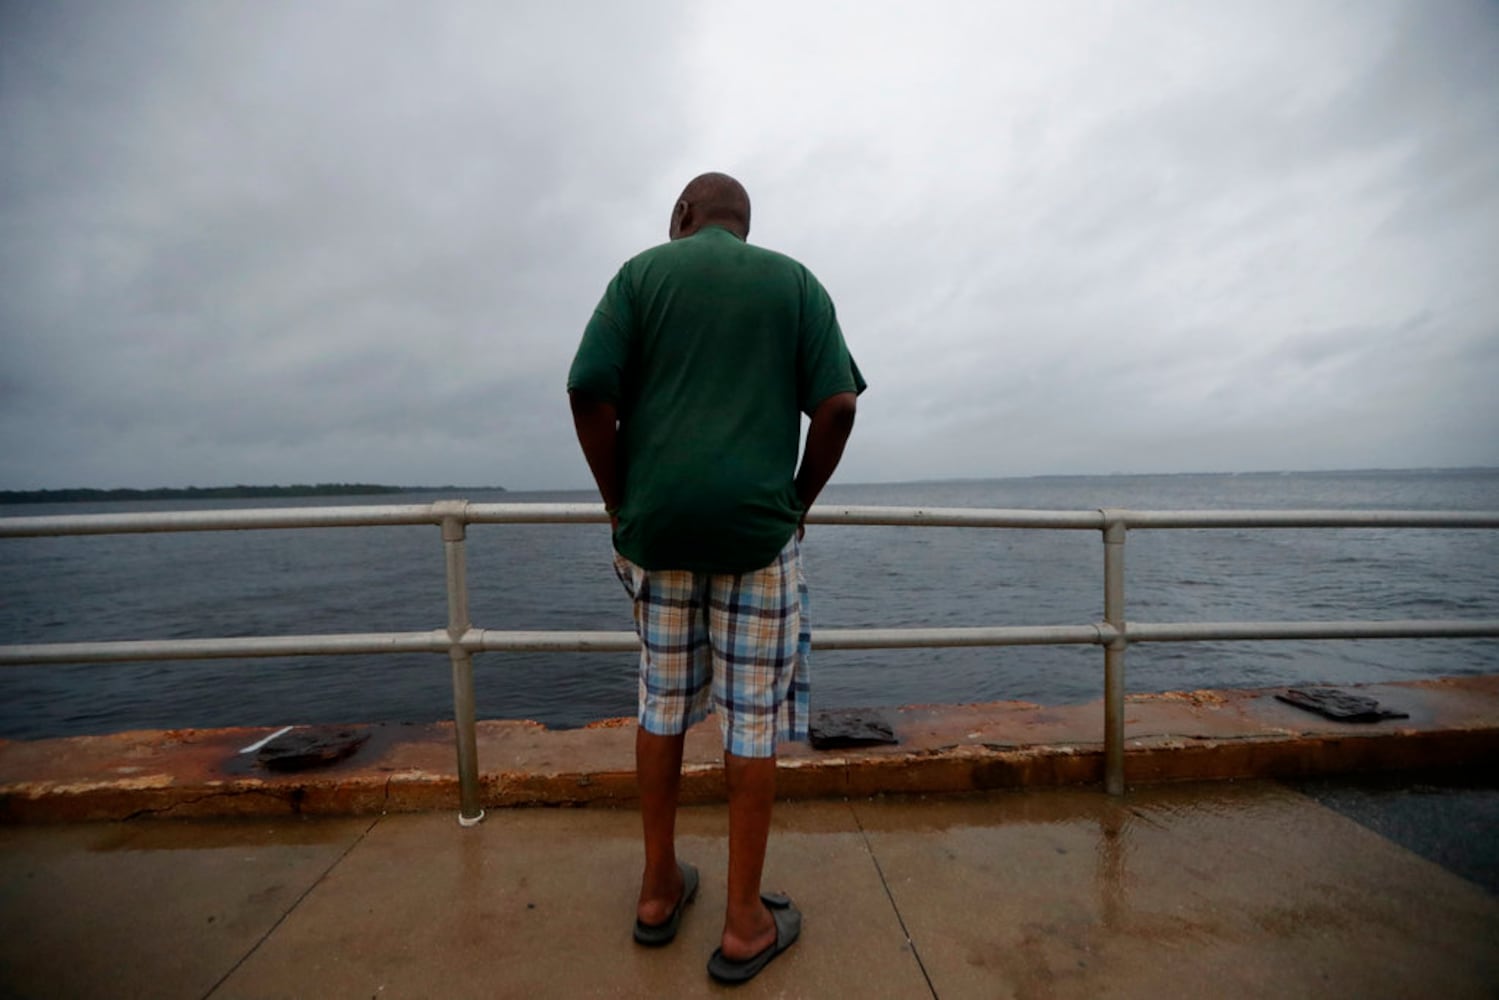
(208, 492)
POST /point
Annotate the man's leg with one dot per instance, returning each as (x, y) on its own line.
(658, 770)
(754, 624)
(748, 928)
(675, 678)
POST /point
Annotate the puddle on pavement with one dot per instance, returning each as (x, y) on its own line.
(1158, 805)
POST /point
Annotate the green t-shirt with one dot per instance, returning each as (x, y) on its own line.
(711, 349)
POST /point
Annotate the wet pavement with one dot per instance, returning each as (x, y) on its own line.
(1232, 889)
(1450, 817)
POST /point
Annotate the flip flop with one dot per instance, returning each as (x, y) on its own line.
(655, 935)
(788, 928)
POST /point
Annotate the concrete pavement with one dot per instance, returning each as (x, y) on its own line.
(1231, 889)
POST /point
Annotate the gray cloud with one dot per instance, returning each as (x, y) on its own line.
(278, 242)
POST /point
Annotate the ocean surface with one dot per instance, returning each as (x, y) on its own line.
(164, 586)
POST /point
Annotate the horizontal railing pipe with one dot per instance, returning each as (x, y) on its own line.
(592, 513)
(580, 641)
(955, 517)
(915, 638)
(219, 520)
(1236, 631)
(521, 641)
(435, 641)
(536, 513)
(1309, 519)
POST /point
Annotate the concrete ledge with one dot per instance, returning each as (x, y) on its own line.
(1178, 736)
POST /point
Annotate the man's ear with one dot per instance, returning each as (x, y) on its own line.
(681, 219)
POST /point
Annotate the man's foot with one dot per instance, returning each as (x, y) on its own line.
(746, 935)
(786, 927)
(657, 933)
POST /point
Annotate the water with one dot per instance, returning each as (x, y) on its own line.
(558, 577)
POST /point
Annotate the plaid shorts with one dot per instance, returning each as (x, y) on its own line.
(737, 641)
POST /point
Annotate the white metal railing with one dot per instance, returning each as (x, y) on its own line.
(460, 640)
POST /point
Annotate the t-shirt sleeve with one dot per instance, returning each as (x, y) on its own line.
(824, 365)
(598, 368)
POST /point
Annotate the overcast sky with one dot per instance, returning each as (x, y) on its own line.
(288, 242)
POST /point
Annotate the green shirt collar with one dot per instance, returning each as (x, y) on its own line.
(718, 226)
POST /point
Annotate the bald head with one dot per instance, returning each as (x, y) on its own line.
(711, 199)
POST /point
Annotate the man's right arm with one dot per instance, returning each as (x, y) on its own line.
(597, 425)
(832, 422)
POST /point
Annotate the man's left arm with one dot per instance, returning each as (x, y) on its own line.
(832, 422)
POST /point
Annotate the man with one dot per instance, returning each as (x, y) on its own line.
(687, 393)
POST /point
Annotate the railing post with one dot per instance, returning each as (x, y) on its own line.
(1114, 529)
(453, 531)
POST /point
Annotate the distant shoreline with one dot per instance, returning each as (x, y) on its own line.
(94, 495)
(85, 495)
(1439, 470)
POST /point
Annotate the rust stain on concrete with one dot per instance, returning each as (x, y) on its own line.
(1176, 736)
